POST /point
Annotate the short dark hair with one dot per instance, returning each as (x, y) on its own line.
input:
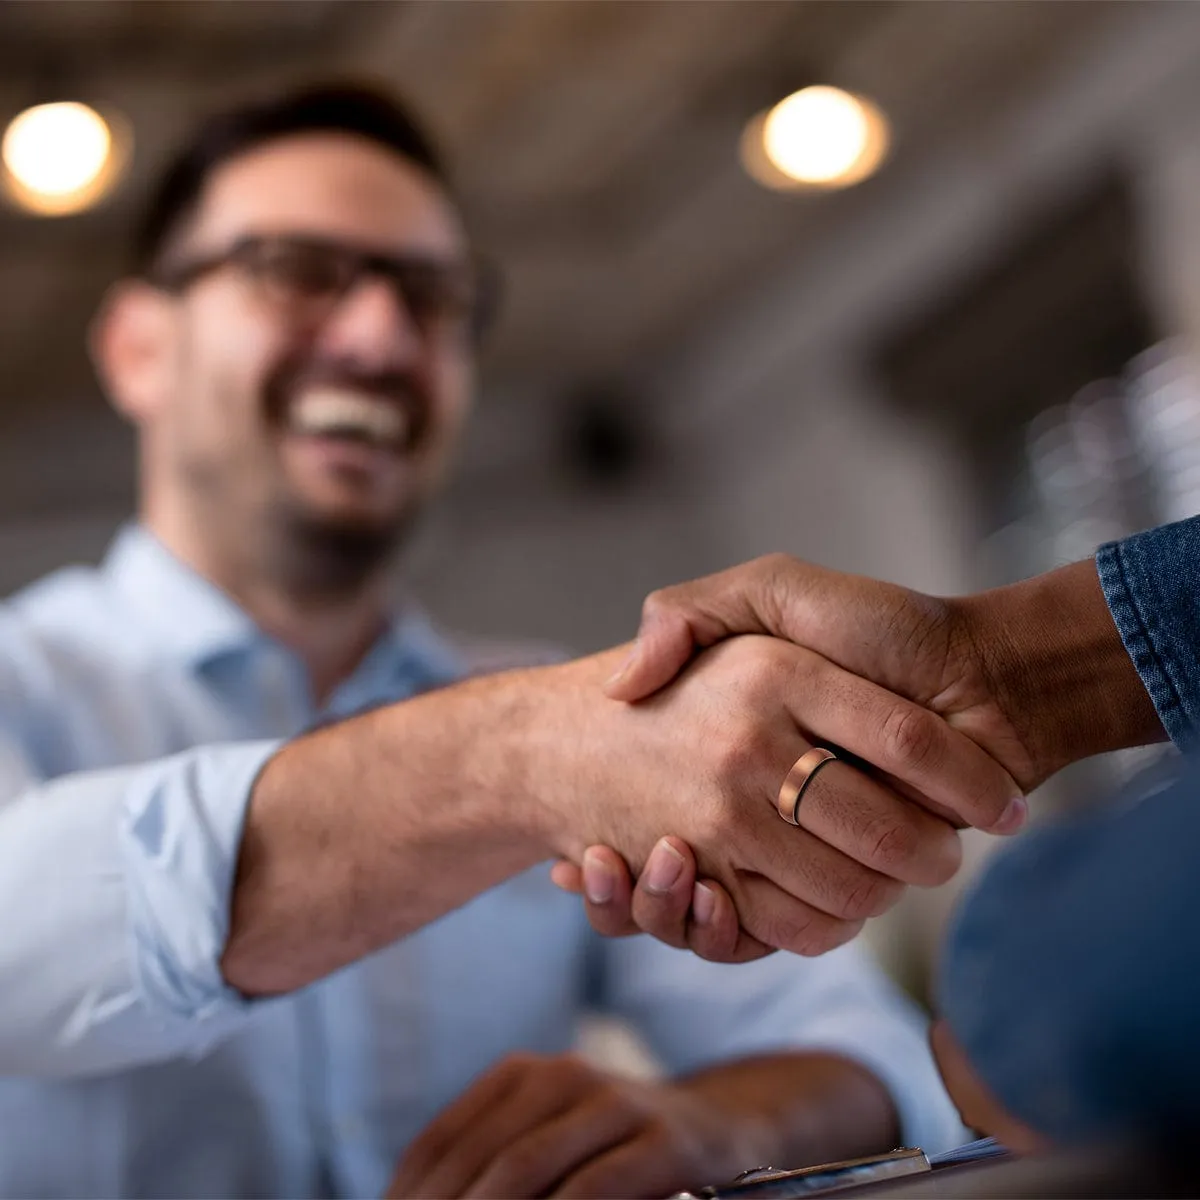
(352, 108)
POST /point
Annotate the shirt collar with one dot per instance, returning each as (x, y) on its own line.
(184, 614)
(195, 622)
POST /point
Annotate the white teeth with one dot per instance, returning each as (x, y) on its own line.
(332, 411)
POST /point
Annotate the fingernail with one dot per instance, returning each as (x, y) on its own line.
(598, 882)
(623, 669)
(1013, 816)
(663, 868)
(704, 904)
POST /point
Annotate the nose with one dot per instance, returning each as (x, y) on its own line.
(373, 326)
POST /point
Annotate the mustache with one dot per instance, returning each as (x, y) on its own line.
(293, 376)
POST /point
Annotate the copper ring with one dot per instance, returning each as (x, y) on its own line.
(798, 778)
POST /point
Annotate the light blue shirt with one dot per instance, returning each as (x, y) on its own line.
(137, 705)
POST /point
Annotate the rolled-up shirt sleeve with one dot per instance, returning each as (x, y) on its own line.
(694, 1014)
(1152, 584)
(115, 885)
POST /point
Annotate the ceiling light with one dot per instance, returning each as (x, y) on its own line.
(817, 137)
(59, 158)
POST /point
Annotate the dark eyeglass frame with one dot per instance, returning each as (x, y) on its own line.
(409, 275)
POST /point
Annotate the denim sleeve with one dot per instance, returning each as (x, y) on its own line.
(1152, 584)
(1071, 975)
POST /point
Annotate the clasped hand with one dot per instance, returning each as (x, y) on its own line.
(901, 680)
(540, 1126)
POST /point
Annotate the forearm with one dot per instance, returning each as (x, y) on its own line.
(363, 832)
(797, 1108)
(1057, 662)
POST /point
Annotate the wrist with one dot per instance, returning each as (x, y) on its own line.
(793, 1108)
(360, 833)
(551, 752)
(492, 733)
(731, 1135)
(1056, 667)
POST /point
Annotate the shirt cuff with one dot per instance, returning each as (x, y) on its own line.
(1150, 584)
(179, 842)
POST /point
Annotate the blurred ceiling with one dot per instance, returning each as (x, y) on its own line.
(595, 144)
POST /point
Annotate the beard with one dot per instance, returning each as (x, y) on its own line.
(320, 555)
(322, 558)
(266, 524)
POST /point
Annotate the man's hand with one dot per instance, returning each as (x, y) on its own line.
(685, 911)
(457, 790)
(362, 832)
(1035, 673)
(537, 1126)
(705, 758)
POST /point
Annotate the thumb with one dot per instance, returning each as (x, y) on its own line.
(676, 621)
(663, 647)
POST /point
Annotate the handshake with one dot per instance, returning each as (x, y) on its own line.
(673, 763)
(941, 713)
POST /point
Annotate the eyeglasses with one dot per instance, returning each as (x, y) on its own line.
(308, 277)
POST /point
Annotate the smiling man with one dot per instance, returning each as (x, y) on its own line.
(256, 944)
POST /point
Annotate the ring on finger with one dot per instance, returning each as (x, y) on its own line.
(792, 790)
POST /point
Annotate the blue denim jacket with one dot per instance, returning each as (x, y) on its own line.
(1150, 581)
(1072, 973)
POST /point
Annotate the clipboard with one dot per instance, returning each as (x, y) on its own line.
(766, 1183)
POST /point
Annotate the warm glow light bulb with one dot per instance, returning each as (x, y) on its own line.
(57, 157)
(819, 137)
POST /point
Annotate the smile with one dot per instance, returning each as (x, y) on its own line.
(334, 412)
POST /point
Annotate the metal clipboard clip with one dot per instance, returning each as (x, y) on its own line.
(766, 1183)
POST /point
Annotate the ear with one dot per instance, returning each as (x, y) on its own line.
(133, 344)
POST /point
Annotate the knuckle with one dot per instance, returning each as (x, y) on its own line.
(713, 953)
(782, 582)
(658, 602)
(514, 1071)
(656, 1134)
(665, 910)
(870, 895)
(829, 935)
(516, 1163)
(664, 927)
(613, 1106)
(616, 923)
(736, 750)
(712, 944)
(895, 845)
(789, 931)
(712, 816)
(771, 663)
(517, 1064)
(911, 735)
(776, 566)
(755, 670)
(566, 1072)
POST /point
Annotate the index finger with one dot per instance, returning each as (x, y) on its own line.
(950, 773)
